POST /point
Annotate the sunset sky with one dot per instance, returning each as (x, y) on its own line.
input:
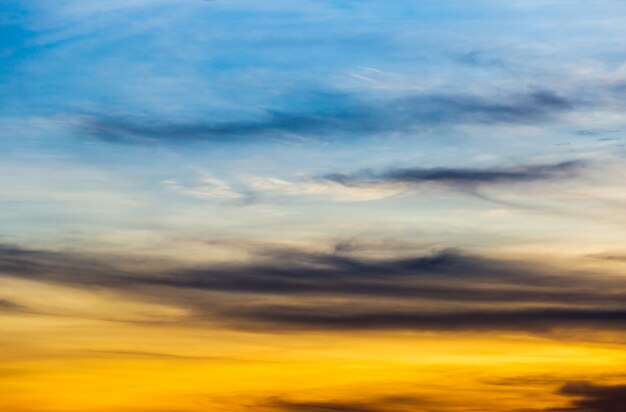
(312, 206)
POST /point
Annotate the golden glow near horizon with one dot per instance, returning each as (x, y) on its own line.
(91, 365)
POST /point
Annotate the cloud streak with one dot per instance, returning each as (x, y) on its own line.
(339, 115)
(398, 403)
(462, 176)
(9, 306)
(530, 320)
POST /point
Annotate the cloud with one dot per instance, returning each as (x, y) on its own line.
(267, 186)
(48, 265)
(398, 403)
(9, 306)
(616, 256)
(594, 398)
(446, 275)
(588, 397)
(460, 176)
(298, 290)
(339, 115)
(323, 407)
(527, 320)
(369, 185)
(207, 187)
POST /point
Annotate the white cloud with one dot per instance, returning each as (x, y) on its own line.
(208, 187)
(325, 188)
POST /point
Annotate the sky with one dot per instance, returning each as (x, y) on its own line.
(312, 206)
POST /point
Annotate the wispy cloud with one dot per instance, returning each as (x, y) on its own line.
(368, 185)
(341, 115)
(207, 187)
(268, 187)
(461, 176)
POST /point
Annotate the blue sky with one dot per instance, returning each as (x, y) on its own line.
(161, 119)
(197, 105)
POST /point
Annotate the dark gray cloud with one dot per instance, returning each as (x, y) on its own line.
(59, 267)
(339, 115)
(461, 176)
(419, 319)
(447, 275)
(594, 398)
(447, 290)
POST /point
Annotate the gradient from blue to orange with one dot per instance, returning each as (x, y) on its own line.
(312, 205)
